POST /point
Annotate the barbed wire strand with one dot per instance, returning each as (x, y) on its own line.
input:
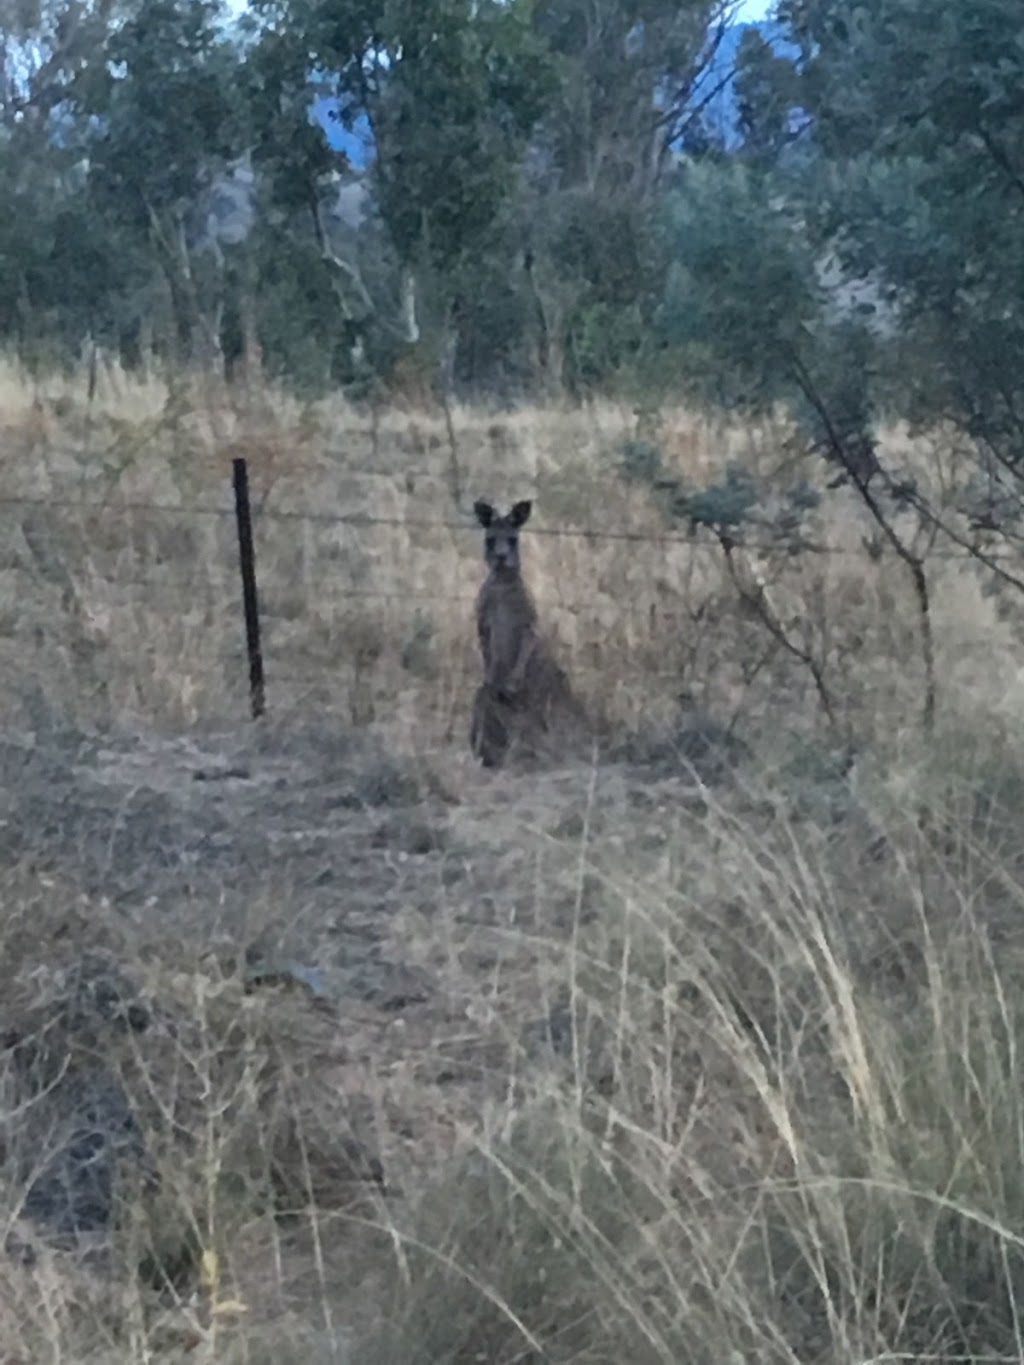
(360, 520)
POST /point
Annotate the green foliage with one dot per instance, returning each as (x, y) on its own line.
(604, 339)
(288, 151)
(727, 507)
(641, 461)
(493, 316)
(522, 184)
(723, 507)
(166, 57)
(626, 73)
(915, 188)
(297, 317)
(452, 91)
(919, 124)
(767, 95)
(65, 270)
(464, 91)
(507, 216)
(740, 282)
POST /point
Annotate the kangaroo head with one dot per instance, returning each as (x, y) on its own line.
(501, 535)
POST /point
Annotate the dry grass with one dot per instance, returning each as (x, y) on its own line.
(657, 1064)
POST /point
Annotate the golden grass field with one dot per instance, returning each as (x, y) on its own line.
(643, 1057)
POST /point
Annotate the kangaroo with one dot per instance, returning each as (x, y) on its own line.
(521, 682)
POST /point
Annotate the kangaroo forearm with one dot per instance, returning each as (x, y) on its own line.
(523, 658)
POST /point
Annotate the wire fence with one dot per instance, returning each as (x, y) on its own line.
(197, 584)
(795, 544)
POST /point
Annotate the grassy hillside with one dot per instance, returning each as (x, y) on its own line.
(703, 1047)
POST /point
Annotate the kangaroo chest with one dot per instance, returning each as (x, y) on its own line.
(505, 616)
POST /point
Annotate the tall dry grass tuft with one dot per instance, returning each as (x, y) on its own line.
(781, 1116)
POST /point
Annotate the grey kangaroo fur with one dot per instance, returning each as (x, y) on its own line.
(522, 683)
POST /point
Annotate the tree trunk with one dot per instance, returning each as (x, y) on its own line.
(410, 320)
(550, 348)
(252, 351)
(198, 327)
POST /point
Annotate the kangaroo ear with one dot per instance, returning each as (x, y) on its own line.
(484, 513)
(520, 514)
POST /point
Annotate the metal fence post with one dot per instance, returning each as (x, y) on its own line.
(250, 602)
